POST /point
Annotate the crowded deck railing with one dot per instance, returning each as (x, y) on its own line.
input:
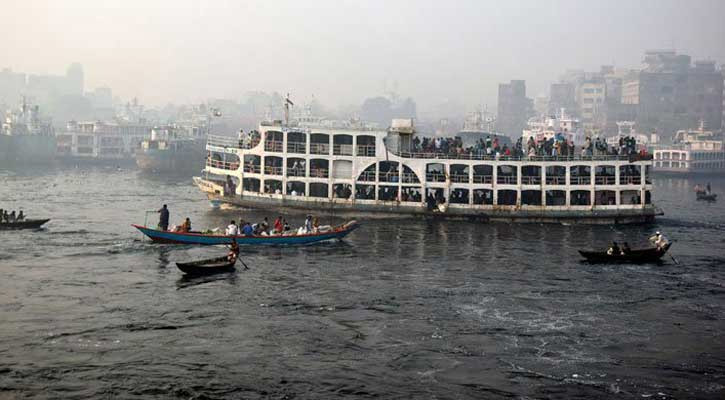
(271, 170)
(296, 147)
(320, 148)
(319, 173)
(485, 179)
(366, 150)
(292, 171)
(342, 149)
(486, 157)
(252, 168)
(273, 145)
(228, 165)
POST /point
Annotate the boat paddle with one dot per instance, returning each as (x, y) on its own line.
(673, 257)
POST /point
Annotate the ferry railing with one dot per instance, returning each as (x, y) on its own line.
(228, 165)
(487, 157)
(408, 177)
(342, 150)
(531, 180)
(296, 147)
(320, 148)
(222, 141)
(319, 173)
(605, 180)
(367, 176)
(459, 178)
(486, 179)
(435, 177)
(270, 170)
(292, 171)
(630, 180)
(252, 143)
(506, 179)
(388, 177)
(273, 145)
(555, 180)
(252, 168)
(366, 150)
(580, 180)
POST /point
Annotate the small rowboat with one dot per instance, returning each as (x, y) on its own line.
(25, 224)
(337, 233)
(207, 267)
(633, 256)
(706, 197)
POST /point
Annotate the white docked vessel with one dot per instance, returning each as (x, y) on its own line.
(358, 170)
(548, 126)
(693, 152)
(101, 141)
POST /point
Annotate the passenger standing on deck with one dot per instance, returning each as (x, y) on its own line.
(232, 229)
(164, 218)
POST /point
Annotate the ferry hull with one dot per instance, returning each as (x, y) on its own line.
(493, 214)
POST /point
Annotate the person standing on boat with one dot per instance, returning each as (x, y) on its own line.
(308, 224)
(659, 240)
(21, 217)
(707, 188)
(164, 218)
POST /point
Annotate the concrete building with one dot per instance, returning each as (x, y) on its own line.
(590, 95)
(514, 108)
(561, 95)
(670, 94)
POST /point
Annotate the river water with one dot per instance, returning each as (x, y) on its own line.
(401, 309)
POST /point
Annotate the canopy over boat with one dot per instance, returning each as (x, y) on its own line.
(25, 224)
(632, 256)
(208, 266)
(336, 233)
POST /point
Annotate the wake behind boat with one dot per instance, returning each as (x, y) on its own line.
(24, 224)
(336, 233)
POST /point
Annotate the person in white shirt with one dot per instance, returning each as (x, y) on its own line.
(659, 240)
(232, 229)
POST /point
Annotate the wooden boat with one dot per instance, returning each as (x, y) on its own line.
(207, 267)
(25, 224)
(701, 195)
(336, 233)
(633, 256)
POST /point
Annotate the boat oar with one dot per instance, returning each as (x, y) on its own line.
(673, 257)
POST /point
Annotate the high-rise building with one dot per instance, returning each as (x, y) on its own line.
(561, 95)
(670, 94)
(514, 108)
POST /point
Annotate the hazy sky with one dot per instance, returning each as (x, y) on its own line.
(343, 51)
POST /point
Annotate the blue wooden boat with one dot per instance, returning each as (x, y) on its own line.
(336, 233)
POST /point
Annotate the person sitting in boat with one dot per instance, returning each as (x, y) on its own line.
(264, 225)
(2, 216)
(626, 249)
(278, 227)
(12, 217)
(21, 217)
(247, 230)
(163, 218)
(286, 227)
(659, 240)
(315, 225)
(185, 227)
(614, 249)
(233, 252)
(232, 229)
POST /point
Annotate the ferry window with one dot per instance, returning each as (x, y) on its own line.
(556, 175)
(273, 141)
(366, 146)
(251, 184)
(459, 173)
(368, 175)
(273, 165)
(483, 174)
(318, 190)
(531, 197)
(580, 175)
(342, 145)
(272, 186)
(409, 176)
(365, 192)
(459, 196)
(555, 198)
(483, 196)
(435, 172)
(319, 168)
(507, 197)
(388, 171)
(506, 174)
(647, 171)
(296, 142)
(630, 197)
(342, 191)
(647, 197)
(580, 198)
(319, 143)
(605, 198)
(411, 194)
(296, 166)
(531, 175)
(388, 193)
(295, 188)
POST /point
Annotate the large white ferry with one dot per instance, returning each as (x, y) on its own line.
(693, 152)
(357, 170)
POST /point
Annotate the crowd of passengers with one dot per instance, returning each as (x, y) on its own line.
(280, 227)
(556, 146)
(11, 217)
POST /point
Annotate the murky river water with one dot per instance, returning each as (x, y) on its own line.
(402, 308)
